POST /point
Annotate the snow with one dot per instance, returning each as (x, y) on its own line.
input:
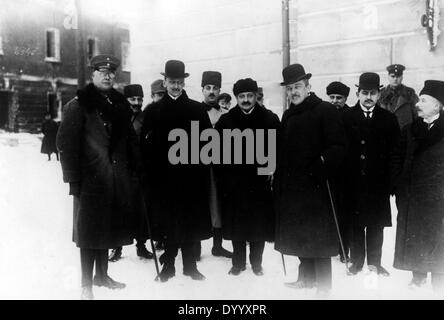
(38, 260)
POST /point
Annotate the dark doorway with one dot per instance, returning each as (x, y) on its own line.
(5, 105)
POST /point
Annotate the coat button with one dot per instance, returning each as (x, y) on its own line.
(362, 157)
(114, 161)
(362, 141)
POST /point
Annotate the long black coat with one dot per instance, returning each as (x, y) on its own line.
(103, 161)
(177, 195)
(419, 188)
(49, 130)
(246, 198)
(371, 143)
(305, 225)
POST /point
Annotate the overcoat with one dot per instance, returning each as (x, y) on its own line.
(98, 150)
(246, 197)
(176, 194)
(49, 130)
(305, 224)
(371, 144)
(418, 169)
(401, 101)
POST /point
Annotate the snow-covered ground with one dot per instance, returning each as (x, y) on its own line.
(39, 261)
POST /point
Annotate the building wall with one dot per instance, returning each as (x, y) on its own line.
(23, 68)
(239, 38)
(334, 40)
(340, 39)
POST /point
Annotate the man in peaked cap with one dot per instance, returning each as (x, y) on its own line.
(260, 96)
(338, 94)
(134, 94)
(97, 144)
(311, 148)
(398, 98)
(372, 134)
(418, 176)
(246, 198)
(157, 90)
(211, 85)
(177, 194)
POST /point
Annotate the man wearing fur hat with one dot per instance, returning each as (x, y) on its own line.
(98, 152)
(211, 84)
(398, 98)
(311, 148)
(418, 183)
(246, 198)
(372, 134)
(177, 194)
(134, 94)
(338, 94)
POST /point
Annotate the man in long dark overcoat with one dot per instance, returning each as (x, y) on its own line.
(98, 151)
(134, 94)
(372, 134)
(311, 147)
(246, 198)
(177, 194)
(418, 175)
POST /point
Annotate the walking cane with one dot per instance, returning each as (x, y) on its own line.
(147, 220)
(336, 222)
(283, 264)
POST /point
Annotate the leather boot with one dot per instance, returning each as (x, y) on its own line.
(218, 250)
(115, 255)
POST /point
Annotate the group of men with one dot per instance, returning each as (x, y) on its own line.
(330, 193)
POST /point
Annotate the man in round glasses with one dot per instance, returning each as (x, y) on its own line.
(97, 144)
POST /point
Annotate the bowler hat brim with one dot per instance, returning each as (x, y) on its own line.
(368, 87)
(290, 81)
(185, 75)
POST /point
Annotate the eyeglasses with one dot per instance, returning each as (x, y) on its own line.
(106, 72)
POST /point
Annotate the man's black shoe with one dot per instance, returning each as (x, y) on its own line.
(221, 252)
(108, 282)
(235, 271)
(258, 271)
(166, 273)
(159, 245)
(115, 254)
(381, 271)
(194, 274)
(143, 252)
(354, 270)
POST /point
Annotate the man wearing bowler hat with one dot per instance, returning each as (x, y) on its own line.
(398, 98)
(246, 198)
(211, 85)
(177, 194)
(134, 94)
(372, 134)
(311, 148)
(338, 94)
(98, 149)
(418, 183)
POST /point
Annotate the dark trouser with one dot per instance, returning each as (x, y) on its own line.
(370, 238)
(437, 279)
(87, 259)
(140, 242)
(316, 272)
(239, 259)
(188, 254)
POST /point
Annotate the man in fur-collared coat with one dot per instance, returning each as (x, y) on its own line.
(98, 153)
(418, 176)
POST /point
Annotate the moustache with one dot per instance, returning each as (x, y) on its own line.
(246, 104)
(212, 95)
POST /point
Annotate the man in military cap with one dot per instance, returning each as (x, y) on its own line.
(372, 134)
(398, 98)
(211, 84)
(224, 100)
(98, 150)
(246, 198)
(134, 94)
(338, 94)
(312, 146)
(177, 195)
(157, 90)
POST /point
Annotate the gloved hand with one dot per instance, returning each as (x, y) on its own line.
(74, 189)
